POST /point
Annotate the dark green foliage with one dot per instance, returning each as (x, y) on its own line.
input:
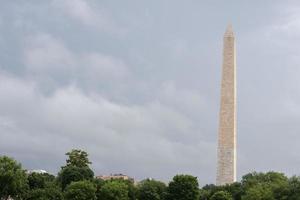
(183, 187)
(235, 189)
(114, 190)
(98, 183)
(13, 179)
(38, 180)
(290, 192)
(272, 179)
(76, 169)
(151, 190)
(71, 173)
(259, 192)
(265, 186)
(221, 195)
(81, 190)
(50, 192)
(78, 158)
(208, 190)
(132, 190)
(204, 194)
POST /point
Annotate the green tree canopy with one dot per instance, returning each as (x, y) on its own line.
(39, 180)
(272, 179)
(98, 183)
(221, 195)
(259, 192)
(49, 192)
(13, 179)
(151, 190)
(81, 190)
(114, 190)
(183, 187)
(291, 192)
(235, 189)
(71, 173)
(204, 194)
(132, 190)
(270, 185)
(76, 169)
(78, 158)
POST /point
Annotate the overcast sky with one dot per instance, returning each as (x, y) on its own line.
(137, 84)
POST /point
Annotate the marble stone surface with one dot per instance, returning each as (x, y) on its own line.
(226, 166)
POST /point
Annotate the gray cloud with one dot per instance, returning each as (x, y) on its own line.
(119, 137)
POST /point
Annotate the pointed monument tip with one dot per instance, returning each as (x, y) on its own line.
(229, 31)
(229, 27)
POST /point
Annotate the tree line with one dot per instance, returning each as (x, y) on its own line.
(76, 181)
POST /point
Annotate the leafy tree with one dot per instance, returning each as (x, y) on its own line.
(235, 189)
(39, 180)
(270, 185)
(50, 192)
(259, 192)
(272, 179)
(76, 169)
(208, 190)
(204, 194)
(221, 195)
(292, 192)
(70, 174)
(151, 190)
(81, 190)
(13, 180)
(114, 190)
(132, 190)
(98, 183)
(78, 158)
(183, 187)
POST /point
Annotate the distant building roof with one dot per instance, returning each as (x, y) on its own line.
(115, 176)
(38, 171)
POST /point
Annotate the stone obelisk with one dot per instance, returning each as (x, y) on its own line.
(226, 166)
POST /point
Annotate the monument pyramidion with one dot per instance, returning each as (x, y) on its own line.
(226, 161)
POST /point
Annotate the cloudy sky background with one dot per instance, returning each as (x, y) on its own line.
(137, 84)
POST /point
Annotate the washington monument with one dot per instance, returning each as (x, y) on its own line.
(226, 166)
